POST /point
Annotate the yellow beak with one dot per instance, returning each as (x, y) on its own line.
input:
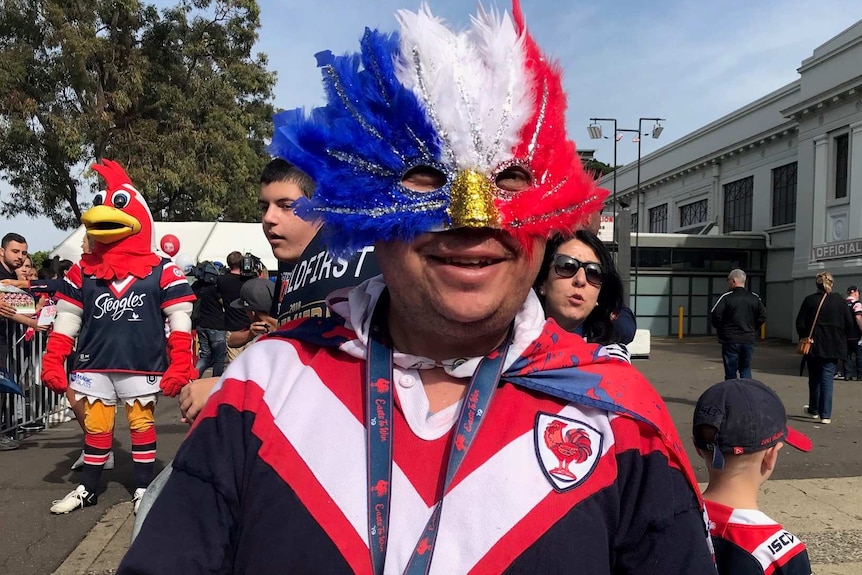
(471, 203)
(108, 225)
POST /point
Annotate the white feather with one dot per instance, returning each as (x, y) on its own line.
(473, 84)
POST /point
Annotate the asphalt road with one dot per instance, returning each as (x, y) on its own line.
(34, 542)
(681, 369)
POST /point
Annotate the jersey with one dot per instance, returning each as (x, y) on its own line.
(855, 307)
(275, 471)
(123, 325)
(748, 542)
(301, 289)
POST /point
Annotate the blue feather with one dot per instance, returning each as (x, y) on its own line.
(357, 147)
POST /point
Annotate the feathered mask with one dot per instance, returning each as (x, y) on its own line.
(470, 106)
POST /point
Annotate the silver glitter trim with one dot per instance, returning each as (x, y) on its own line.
(421, 144)
(375, 70)
(432, 112)
(555, 213)
(360, 163)
(339, 89)
(504, 119)
(540, 121)
(428, 206)
(475, 133)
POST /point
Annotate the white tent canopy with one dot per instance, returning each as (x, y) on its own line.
(199, 241)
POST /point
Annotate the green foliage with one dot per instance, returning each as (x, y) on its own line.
(598, 168)
(39, 257)
(176, 97)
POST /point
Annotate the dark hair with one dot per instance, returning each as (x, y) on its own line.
(12, 237)
(64, 266)
(279, 170)
(46, 273)
(598, 327)
(234, 259)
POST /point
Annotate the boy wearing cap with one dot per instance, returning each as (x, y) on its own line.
(739, 427)
(255, 298)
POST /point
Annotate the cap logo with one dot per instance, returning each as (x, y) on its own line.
(775, 437)
(738, 450)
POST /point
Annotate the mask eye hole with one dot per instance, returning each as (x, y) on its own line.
(514, 179)
(99, 199)
(423, 179)
(121, 199)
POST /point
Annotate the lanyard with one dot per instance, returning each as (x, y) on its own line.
(379, 438)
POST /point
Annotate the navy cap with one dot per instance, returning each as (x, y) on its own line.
(255, 295)
(748, 417)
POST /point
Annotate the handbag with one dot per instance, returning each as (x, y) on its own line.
(804, 345)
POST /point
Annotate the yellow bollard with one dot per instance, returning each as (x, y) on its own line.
(763, 331)
(679, 331)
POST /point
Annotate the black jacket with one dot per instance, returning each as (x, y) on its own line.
(833, 324)
(737, 315)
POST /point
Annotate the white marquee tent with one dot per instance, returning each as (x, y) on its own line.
(199, 241)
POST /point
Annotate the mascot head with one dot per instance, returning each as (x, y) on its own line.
(121, 227)
(468, 110)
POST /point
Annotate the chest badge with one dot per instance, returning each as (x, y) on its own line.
(568, 450)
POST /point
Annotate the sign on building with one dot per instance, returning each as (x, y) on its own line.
(606, 228)
(837, 250)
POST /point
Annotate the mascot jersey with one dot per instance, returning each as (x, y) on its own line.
(123, 327)
(286, 457)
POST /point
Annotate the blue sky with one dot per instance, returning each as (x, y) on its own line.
(688, 61)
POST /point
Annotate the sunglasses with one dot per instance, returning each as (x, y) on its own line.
(567, 266)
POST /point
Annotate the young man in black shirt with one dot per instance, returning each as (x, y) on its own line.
(228, 286)
(13, 252)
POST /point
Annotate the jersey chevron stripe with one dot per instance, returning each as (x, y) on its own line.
(308, 414)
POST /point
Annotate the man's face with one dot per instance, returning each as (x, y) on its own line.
(14, 254)
(288, 234)
(854, 294)
(459, 281)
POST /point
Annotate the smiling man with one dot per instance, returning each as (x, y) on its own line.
(435, 423)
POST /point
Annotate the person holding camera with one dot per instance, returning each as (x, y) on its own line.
(229, 286)
(209, 320)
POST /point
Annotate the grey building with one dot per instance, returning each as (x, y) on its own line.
(785, 170)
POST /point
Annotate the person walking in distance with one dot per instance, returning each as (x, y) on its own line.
(853, 362)
(826, 319)
(737, 316)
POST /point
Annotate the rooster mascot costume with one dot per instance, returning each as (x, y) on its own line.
(115, 301)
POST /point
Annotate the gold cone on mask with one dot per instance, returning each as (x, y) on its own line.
(471, 203)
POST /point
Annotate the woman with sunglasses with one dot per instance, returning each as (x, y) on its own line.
(581, 290)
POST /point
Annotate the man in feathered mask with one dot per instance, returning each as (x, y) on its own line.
(435, 423)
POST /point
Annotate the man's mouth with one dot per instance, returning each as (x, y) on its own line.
(467, 262)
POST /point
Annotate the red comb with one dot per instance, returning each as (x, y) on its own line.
(115, 176)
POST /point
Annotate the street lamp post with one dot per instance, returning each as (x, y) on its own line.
(656, 132)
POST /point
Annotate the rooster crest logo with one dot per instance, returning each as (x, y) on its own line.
(381, 385)
(381, 488)
(568, 449)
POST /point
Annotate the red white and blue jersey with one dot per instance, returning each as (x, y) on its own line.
(123, 325)
(748, 542)
(272, 478)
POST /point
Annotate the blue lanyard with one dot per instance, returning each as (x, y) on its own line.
(379, 437)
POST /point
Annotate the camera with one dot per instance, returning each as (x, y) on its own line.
(206, 271)
(250, 265)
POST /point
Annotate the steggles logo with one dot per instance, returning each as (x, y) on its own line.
(108, 305)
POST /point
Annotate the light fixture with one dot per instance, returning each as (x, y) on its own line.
(657, 130)
(619, 136)
(595, 131)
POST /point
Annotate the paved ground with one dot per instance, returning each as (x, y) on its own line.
(817, 495)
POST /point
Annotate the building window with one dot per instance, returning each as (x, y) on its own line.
(784, 195)
(842, 149)
(635, 221)
(658, 219)
(737, 205)
(693, 214)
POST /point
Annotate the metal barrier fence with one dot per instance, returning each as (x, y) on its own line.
(39, 407)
